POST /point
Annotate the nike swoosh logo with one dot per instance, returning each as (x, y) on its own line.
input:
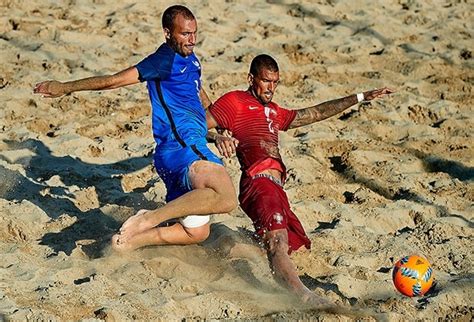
(196, 64)
(182, 70)
(253, 107)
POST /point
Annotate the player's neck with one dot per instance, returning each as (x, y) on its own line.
(251, 92)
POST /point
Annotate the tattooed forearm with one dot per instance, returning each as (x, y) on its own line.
(322, 111)
(327, 109)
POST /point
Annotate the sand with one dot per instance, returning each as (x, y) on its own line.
(380, 181)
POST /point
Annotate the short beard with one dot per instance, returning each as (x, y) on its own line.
(174, 45)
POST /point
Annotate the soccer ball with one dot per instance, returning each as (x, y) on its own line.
(412, 275)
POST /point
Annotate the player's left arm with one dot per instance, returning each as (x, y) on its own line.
(327, 109)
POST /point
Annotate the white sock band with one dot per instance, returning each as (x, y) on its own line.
(360, 97)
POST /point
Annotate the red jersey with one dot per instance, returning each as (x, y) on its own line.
(256, 127)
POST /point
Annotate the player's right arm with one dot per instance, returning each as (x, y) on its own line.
(54, 88)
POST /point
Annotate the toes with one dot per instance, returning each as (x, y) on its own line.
(141, 212)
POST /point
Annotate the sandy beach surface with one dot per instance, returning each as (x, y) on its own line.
(382, 180)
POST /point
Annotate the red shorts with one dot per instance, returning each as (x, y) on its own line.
(266, 203)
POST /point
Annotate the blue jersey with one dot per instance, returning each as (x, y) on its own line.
(178, 117)
(174, 83)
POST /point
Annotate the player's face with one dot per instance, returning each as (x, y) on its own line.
(183, 36)
(264, 84)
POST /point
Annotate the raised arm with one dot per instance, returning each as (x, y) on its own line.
(327, 109)
(54, 88)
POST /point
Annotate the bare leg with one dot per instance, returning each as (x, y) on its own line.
(174, 235)
(277, 243)
(213, 193)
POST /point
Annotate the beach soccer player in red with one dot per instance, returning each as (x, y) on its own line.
(255, 121)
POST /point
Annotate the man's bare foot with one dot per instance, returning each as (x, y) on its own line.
(316, 301)
(135, 225)
(145, 238)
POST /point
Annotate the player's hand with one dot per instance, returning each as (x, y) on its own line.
(376, 93)
(50, 89)
(224, 132)
(226, 145)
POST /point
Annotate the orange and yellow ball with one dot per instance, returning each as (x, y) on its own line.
(412, 275)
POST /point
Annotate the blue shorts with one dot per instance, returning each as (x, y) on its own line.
(172, 165)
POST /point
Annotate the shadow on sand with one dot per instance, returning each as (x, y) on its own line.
(430, 163)
(92, 224)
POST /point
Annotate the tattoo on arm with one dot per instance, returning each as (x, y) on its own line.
(322, 111)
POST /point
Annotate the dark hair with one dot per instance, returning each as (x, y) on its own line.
(263, 61)
(171, 13)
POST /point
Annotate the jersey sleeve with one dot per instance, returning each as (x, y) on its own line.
(224, 111)
(286, 117)
(157, 65)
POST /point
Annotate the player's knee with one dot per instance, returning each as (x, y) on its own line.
(277, 241)
(229, 203)
(276, 246)
(198, 234)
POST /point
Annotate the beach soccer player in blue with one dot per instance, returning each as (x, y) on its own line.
(196, 181)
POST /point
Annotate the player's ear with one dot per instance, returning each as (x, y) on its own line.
(167, 33)
(250, 79)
